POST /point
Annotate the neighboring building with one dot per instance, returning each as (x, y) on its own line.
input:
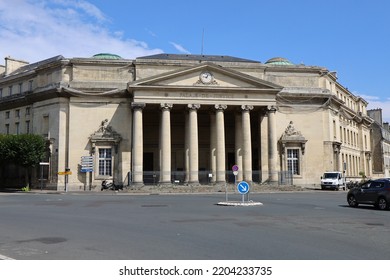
(380, 145)
(186, 119)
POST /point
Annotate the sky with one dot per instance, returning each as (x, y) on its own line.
(351, 37)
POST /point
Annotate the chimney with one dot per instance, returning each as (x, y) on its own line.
(12, 64)
(376, 114)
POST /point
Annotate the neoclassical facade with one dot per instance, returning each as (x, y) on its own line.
(185, 119)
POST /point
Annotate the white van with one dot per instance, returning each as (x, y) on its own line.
(333, 180)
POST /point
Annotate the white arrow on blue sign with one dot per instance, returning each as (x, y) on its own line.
(243, 187)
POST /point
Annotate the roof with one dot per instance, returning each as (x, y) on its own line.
(35, 65)
(106, 56)
(220, 58)
(279, 61)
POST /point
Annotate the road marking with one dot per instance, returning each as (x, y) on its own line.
(2, 257)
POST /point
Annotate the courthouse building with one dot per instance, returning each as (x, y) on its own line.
(185, 119)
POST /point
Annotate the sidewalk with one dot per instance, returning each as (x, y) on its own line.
(176, 189)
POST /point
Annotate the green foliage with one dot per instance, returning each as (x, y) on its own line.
(26, 189)
(26, 150)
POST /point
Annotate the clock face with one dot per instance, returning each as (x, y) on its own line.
(206, 77)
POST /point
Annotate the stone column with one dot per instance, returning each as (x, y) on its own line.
(238, 145)
(246, 142)
(186, 148)
(272, 145)
(213, 148)
(165, 144)
(220, 129)
(138, 151)
(193, 143)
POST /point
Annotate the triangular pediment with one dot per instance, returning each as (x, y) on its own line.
(192, 78)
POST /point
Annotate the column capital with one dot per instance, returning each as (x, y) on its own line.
(193, 106)
(246, 107)
(220, 107)
(137, 106)
(271, 109)
(166, 106)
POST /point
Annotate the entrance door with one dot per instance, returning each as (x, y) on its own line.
(149, 175)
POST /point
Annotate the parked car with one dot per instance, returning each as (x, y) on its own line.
(373, 192)
(332, 180)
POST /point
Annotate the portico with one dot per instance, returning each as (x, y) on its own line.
(190, 130)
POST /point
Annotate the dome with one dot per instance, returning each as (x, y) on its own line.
(106, 56)
(278, 61)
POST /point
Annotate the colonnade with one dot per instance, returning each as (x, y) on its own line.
(243, 144)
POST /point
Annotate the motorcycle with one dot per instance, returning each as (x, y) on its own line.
(109, 185)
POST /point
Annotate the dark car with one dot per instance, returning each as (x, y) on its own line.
(373, 192)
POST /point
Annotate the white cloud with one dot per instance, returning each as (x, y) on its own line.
(179, 47)
(33, 30)
(368, 97)
(375, 102)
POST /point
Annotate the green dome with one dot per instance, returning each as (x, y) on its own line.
(278, 61)
(106, 56)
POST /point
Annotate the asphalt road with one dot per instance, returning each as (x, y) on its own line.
(315, 225)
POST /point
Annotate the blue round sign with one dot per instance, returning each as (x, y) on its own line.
(243, 187)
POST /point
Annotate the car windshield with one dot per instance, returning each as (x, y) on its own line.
(331, 175)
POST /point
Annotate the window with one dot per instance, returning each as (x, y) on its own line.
(1, 93)
(7, 115)
(17, 128)
(45, 126)
(30, 85)
(20, 87)
(10, 90)
(27, 127)
(105, 162)
(293, 161)
(28, 110)
(7, 129)
(17, 113)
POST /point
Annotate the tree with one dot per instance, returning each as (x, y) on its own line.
(25, 150)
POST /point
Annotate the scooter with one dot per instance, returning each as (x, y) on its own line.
(109, 185)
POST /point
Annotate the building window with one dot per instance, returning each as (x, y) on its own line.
(17, 128)
(27, 127)
(7, 115)
(45, 126)
(1, 93)
(28, 110)
(293, 161)
(105, 162)
(30, 85)
(10, 90)
(17, 113)
(20, 87)
(7, 128)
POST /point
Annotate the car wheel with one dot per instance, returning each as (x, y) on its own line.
(352, 201)
(382, 203)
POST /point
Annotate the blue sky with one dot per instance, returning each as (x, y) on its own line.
(350, 37)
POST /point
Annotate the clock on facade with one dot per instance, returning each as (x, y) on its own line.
(206, 77)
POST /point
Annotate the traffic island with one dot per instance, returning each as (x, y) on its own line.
(239, 203)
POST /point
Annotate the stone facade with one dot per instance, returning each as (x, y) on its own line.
(186, 119)
(380, 144)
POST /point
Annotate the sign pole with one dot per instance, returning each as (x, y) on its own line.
(235, 173)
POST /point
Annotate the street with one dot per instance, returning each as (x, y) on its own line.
(314, 225)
